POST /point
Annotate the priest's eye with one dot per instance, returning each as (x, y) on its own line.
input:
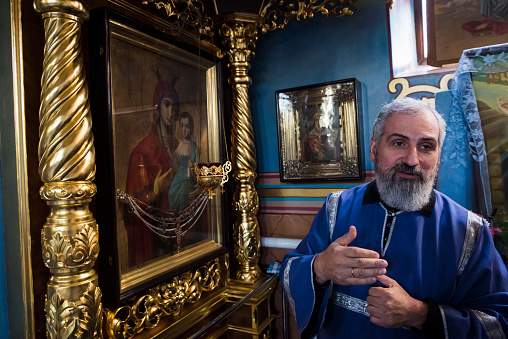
(427, 147)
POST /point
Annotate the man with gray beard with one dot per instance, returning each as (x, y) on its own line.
(394, 258)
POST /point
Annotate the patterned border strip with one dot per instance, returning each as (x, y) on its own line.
(332, 211)
(474, 224)
(350, 303)
(286, 285)
(490, 325)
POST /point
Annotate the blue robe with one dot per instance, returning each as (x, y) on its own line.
(443, 254)
(183, 184)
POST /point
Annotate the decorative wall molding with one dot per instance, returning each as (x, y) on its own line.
(406, 89)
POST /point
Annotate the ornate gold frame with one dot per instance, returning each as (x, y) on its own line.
(127, 47)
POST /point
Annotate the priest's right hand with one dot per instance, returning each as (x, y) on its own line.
(345, 265)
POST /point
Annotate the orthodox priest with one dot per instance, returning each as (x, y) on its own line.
(395, 258)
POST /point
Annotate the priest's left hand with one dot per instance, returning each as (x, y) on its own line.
(392, 306)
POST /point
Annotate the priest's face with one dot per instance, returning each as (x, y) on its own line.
(406, 160)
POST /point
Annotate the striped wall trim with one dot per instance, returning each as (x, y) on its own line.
(490, 325)
(350, 303)
(332, 211)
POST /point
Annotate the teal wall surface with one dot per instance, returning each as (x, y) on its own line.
(317, 50)
(323, 49)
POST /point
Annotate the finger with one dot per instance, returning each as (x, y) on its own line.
(168, 172)
(363, 254)
(360, 272)
(361, 281)
(347, 238)
(357, 252)
(373, 309)
(387, 281)
(376, 320)
(376, 293)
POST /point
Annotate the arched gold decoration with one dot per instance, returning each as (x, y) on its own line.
(240, 37)
(67, 168)
(145, 311)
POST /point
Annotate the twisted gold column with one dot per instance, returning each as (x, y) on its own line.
(240, 37)
(70, 237)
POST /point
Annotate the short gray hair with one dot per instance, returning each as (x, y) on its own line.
(408, 106)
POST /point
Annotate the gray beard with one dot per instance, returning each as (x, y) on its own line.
(404, 194)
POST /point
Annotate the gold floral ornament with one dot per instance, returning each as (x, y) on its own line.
(167, 299)
(210, 175)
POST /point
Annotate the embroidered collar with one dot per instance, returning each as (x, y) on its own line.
(372, 196)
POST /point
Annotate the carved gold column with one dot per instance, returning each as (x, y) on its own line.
(240, 35)
(67, 167)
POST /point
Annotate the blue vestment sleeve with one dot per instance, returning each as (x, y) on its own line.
(479, 307)
(307, 300)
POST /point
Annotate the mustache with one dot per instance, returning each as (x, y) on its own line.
(402, 167)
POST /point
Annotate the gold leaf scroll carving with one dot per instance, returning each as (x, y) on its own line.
(166, 299)
(59, 251)
(79, 319)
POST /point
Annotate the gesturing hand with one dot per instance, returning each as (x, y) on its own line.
(392, 306)
(345, 265)
(162, 181)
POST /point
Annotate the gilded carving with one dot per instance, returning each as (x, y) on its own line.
(67, 166)
(164, 300)
(59, 251)
(79, 319)
(240, 37)
(276, 14)
(68, 190)
(247, 200)
(187, 13)
(66, 151)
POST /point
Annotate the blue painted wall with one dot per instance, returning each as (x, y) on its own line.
(317, 50)
(323, 49)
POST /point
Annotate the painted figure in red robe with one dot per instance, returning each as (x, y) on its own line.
(150, 174)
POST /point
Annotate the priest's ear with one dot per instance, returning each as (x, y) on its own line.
(372, 149)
